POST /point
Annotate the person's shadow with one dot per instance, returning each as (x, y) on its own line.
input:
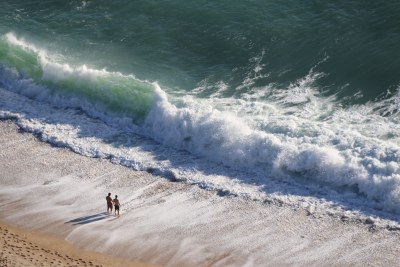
(89, 218)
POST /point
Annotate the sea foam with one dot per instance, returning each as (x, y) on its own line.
(307, 139)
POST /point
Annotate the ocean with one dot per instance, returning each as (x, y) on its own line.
(293, 102)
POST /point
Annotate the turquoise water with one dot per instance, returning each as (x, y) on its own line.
(305, 91)
(183, 44)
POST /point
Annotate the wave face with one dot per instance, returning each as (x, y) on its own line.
(200, 43)
(113, 91)
(243, 104)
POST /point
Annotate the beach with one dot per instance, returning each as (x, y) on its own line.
(33, 245)
(232, 133)
(55, 194)
(20, 247)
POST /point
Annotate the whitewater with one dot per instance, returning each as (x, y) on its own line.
(235, 133)
(284, 145)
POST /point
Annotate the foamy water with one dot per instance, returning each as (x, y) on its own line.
(241, 146)
(172, 222)
(291, 104)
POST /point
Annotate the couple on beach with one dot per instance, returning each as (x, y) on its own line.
(110, 203)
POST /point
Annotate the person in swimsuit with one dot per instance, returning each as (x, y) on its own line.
(109, 203)
(116, 205)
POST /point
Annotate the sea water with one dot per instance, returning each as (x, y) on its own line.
(296, 102)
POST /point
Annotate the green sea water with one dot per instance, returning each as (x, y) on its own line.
(304, 92)
(184, 45)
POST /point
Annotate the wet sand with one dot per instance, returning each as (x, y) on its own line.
(19, 247)
(162, 222)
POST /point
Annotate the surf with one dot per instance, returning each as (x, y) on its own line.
(286, 134)
(44, 77)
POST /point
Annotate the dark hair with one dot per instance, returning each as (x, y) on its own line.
(109, 193)
(116, 196)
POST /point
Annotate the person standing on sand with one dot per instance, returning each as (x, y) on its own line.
(116, 204)
(109, 203)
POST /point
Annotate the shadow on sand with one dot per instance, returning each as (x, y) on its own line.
(90, 218)
(297, 184)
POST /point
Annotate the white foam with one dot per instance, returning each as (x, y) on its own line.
(293, 135)
(341, 152)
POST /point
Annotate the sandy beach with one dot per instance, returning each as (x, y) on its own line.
(234, 134)
(19, 247)
(58, 198)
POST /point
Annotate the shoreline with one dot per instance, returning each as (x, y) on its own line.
(21, 247)
(168, 223)
(28, 244)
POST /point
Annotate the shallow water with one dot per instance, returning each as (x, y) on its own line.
(173, 223)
